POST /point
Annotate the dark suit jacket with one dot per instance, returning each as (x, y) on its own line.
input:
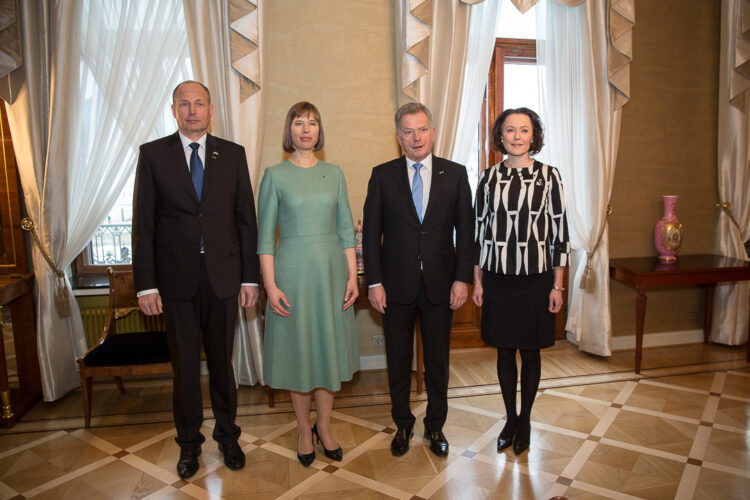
(394, 241)
(168, 220)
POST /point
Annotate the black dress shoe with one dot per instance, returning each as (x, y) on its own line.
(307, 458)
(234, 457)
(438, 442)
(523, 437)
(400, 443)
(505, 439)
(337, 454)
(187, 465)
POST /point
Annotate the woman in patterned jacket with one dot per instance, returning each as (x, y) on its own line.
(522, 248)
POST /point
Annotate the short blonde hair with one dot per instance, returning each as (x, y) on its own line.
(303, 108)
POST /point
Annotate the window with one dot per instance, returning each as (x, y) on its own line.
(512, 81)
(111, 242)
(111, 246)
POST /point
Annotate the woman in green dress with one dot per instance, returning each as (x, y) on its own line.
(310, 279)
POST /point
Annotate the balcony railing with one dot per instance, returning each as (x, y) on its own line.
(111, 245)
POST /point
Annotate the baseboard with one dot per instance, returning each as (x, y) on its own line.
(627, 342)
(376, 362)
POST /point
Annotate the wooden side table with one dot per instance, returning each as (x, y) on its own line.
(17, 292)
(642, 273)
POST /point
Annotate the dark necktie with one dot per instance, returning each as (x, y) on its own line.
(416, 190)
(196, 169)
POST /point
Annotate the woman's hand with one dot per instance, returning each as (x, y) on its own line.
(555, 301)
(277, 300)
(352, 292)
(477, 296)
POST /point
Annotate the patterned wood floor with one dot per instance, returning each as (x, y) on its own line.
(681, 429)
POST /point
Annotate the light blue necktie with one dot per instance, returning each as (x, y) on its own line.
(196, 169)
(416, 190)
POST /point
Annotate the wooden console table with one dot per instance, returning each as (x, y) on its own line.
(642, 273)
(17, 292)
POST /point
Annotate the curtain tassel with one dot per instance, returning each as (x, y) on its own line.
(588, 280)
(62, 298)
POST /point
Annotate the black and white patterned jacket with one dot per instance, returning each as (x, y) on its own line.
(520, 225)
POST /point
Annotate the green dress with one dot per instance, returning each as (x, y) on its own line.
(316, 345)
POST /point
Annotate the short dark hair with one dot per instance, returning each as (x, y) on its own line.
(537, 140)
(411, 108)
(174, 92)
(303, 108)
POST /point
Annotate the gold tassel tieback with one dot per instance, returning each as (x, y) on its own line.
(62, 298)
(588, 280)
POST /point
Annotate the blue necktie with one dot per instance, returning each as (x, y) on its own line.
(416, 190)
(196, 169)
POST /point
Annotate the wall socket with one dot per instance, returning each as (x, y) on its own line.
(378, 340)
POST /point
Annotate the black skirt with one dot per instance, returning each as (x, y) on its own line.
(515, 311)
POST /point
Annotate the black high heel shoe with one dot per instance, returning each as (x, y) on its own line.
(307, 458)
(505, 439)
(523, 437)
(336, 454)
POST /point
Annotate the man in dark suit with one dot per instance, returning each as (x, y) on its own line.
(413, 206)
(194, 252)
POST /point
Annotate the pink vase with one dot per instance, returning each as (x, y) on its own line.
(668, 231)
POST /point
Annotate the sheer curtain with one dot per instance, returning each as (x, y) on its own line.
(583, 117)
(479, 49)
(216, 31)
(86, 101)
(444, 51)
(730, 319)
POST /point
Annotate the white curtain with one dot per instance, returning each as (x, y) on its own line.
(480, 48)
(220, 32)
(582, 131)
(87, 91)
(45, 103)
(443, 52)
(730, 317)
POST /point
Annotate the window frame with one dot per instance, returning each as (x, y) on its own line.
(82, 267)
(513, 50)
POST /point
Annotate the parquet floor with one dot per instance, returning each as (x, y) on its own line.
(681, 430)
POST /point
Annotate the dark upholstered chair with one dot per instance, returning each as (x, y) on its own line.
(143, 352)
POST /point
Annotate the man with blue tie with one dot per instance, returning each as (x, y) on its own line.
(194, 252)
(414, 205)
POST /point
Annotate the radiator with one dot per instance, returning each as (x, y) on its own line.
(94, 319)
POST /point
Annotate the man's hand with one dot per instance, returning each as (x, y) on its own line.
(150, 304)
(459, 292)
(376, 294)
(249, 295)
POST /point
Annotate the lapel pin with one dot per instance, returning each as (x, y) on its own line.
(214, 155)
(441, 172)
